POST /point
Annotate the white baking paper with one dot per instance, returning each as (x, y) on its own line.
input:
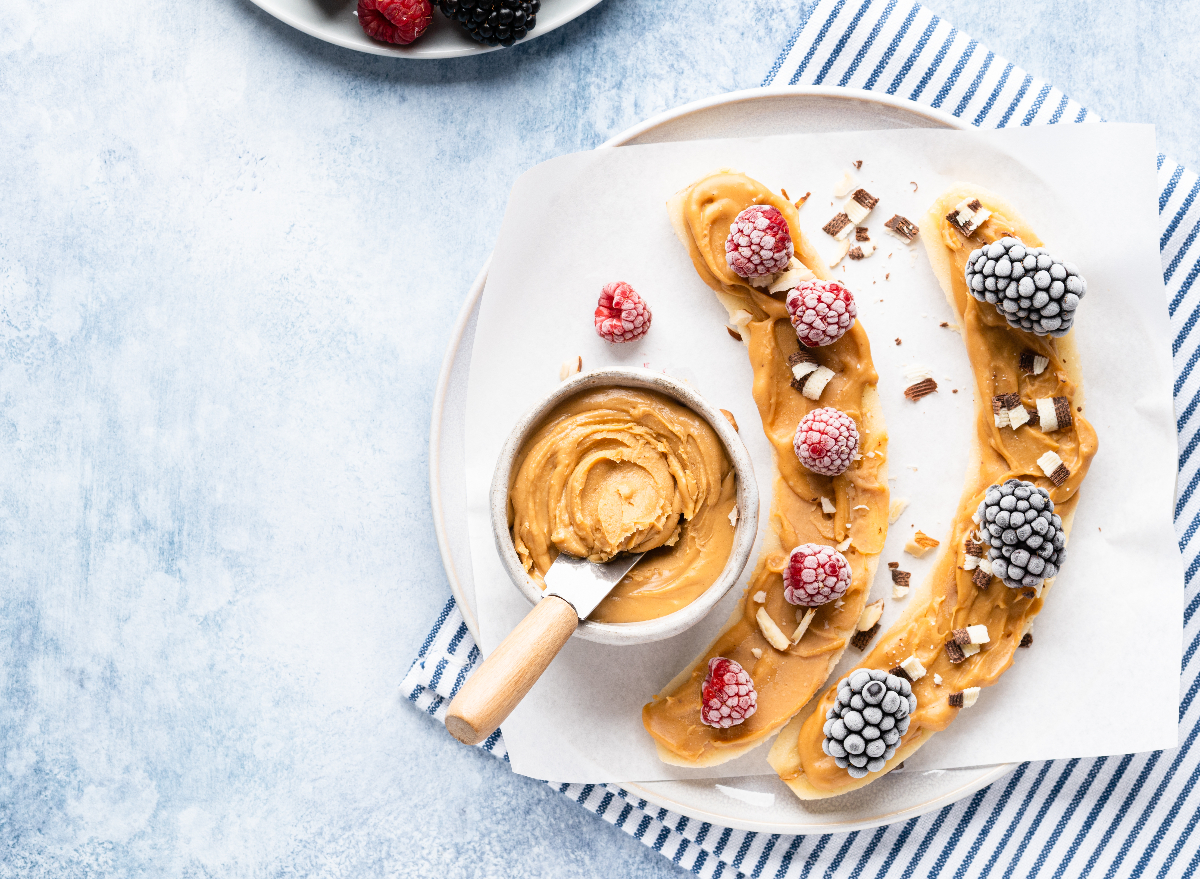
(1102, 675)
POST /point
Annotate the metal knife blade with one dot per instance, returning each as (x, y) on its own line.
(584, 584)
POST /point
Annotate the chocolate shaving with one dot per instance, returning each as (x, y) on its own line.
(734, 333)
(955, 652)
(862, 639)
(1029, 593)
(798, 383)
(981, 578)
(785, 195)
(903, 227)
(837, 224)
(955, 700)
(899, 766)
(899, 672)
(973, 547)
(857, 164)
(974, 205)
(1060, 474)
(960, 637)
(893, 564)
(1062, 412)
(800, 201)
(900, 578)
(1026, 362)
(801, 356)
(861, 233)
(952, 219)
(864, 198)
(856, 253)
(923, 388)
(1004, 402)
(1026, 640)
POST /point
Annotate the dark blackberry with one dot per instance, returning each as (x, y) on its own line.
(865, 724)
(494, 22)
(1031, 289)
(1025, 535)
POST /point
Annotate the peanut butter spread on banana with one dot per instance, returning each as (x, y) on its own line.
(784, 679)
(622, 470)
(955, 601)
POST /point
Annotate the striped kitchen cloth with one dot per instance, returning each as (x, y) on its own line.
(1108, 817)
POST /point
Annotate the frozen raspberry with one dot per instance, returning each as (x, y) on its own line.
(815, 575)
(821, 311)
(621, 315)
(826, 441)
(728, 695)
(759, 242)
(394, 21)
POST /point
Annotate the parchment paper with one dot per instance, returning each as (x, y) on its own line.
(1102, 675)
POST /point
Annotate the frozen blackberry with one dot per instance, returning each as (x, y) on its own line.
(866, 722)
(494, 22)
(1027, 541)
(1033, 290)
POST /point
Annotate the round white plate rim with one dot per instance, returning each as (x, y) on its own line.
(650, 791)
(279, 11)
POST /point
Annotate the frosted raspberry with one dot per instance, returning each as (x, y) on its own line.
(815, 575)
(621, 315)
(821, 311)
(826, 441)
(728, 696)
(394, 21)
(759, 242)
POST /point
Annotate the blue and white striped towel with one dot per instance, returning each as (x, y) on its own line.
(1107, 817)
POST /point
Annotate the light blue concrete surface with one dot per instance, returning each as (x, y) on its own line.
(230, 259)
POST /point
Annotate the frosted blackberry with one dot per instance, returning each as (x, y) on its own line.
(495, 22)
(866, 722)
(1033, 290)
(1025, 536)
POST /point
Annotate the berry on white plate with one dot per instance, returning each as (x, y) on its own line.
(621, 314)
(727, 696)
(826, 441)
(821, 311)
(759, 242)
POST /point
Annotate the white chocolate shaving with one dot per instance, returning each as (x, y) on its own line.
(760, 596)
(913, 668)
(741, 319)
(985, 564)
(968, 218)
(970, 695)
(803, 368)
(827, 506)
(1040, 363)
(733, 517)
(757, 652)
(937, 679)
(1002, 418)
(770, 631)
(803, 627)
(899, 591)
(865, 249)
(916, 373)
(763, 280)
(817, 381)
(896, 509)
(791, 276)
(855, 211)
(846, 186)
(970, 649)
(978, 634)
(970, 562)
(843, 249)
(870, 615)
(1047, 417)
(570, 368)
(1017, 416)
(1049, 462)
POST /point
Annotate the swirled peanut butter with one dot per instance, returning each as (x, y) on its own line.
(623, 470)
(785, 679)
(954, 601)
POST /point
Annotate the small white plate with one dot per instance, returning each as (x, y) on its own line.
(335, 21)
(760, 803)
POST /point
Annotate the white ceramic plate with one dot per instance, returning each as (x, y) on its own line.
(764, 803)
(334, 21)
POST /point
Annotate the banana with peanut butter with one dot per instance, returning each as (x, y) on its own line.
(975, 608)
(739, 247)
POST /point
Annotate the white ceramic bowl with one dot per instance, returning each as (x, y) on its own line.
(747, 502)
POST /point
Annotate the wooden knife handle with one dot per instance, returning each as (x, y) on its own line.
(493, 691)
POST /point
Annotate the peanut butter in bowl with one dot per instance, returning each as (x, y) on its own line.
(621, 469)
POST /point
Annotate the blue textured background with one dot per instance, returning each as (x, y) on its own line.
(230, 259)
